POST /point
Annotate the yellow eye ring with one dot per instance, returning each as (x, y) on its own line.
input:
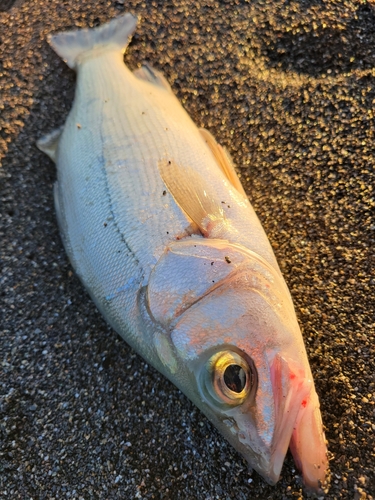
(232, 377)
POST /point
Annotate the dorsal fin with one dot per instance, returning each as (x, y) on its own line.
(224, 160)
(152, 75)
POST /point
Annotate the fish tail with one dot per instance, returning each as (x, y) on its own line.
(116, 34)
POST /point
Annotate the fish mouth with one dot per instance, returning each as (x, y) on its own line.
(298, 426)
(291, 390)
(265, 429)
(308, 445)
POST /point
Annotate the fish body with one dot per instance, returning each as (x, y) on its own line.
(163, 237)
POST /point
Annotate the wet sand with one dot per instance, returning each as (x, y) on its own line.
(289, 88)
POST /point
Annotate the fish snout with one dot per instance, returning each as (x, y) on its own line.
(266, 425)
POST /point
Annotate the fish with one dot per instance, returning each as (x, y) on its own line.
(161, 233)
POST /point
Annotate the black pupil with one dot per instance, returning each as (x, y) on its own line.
(235, 378)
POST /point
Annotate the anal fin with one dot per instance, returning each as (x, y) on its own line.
(48, 143)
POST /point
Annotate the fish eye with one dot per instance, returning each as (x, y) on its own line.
(233, 377)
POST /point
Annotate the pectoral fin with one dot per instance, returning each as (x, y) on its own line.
(223, 159)
(193, 194)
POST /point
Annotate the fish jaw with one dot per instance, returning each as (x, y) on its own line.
(294, 405)
(291, 389)
(263, 430)
(308, 445)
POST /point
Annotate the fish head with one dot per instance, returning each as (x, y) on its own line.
(240, 354)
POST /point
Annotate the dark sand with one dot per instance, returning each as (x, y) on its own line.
(289, 88)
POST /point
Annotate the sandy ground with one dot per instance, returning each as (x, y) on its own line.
(289, 88)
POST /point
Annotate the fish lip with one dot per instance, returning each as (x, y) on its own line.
(309, 449)
(298, 426)
(291, 390)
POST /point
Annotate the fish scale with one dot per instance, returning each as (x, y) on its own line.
(132, 178)
(162, 235)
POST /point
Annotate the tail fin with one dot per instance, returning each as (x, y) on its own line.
(71, 44)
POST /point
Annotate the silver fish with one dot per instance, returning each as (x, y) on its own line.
(161, 233)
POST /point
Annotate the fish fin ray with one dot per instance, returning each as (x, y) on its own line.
(116, 34)
(152, 75)
(62, 225)
(223, 160)
(48, 144)
(57, 203)
(192, 193)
